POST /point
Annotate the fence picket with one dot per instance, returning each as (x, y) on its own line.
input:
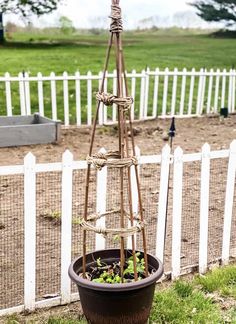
(217, 85)
(27, 93)
(177, 212)
(230, 91)
(22, 94)
(199, 96)
(29, 232)
(174, 91)
(101, 203)
(204, 208)
(78, 99)
(203, 91)
(162, 205)
(191, 91)
(89, 99)
(53, 96)
(165, 92)
(146, 96)
(210, 91)
(40, 94)
(101, 107)
(114, 107)
(229, 200)
(135, 201)
(183, 92)
(105, 107)
(66, 99)
(142, 95)
(233, 91)
(8, 94)
(155, 94)
(223, 90)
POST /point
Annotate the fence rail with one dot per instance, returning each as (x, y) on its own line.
(170, 239)
(156, 93)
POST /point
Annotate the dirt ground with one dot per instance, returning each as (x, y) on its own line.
(191, 134)
(151, 136)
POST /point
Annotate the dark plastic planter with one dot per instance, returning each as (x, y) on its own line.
(128, 303)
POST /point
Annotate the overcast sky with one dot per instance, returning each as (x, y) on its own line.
(84, 13)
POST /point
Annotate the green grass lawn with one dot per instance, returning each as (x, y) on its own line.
(46, 52)
(52, 51)
(209, 299)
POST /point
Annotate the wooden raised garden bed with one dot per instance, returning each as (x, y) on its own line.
(28, 130)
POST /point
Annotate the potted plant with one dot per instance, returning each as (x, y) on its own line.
(116, 285)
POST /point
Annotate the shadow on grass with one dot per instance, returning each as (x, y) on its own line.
(46, 44)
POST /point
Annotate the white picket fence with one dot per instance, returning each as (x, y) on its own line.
(156, 93)
(176, 161)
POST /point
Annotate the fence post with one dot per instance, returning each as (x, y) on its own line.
(101, 203)
(40, 94)
(78, 98)
(135, 201)
(229, 200)
(204, 208)
(66, 225)
(66, 99)
(162, 214)
(177, 212)
(29, 231)
(8, 94)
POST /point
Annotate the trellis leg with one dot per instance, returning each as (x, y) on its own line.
(90, 152)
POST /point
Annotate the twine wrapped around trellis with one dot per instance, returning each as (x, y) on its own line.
(110, 99)
(111, 160)
(116, 19)
(122, 232)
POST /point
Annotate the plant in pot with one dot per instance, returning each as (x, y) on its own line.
(116, 285)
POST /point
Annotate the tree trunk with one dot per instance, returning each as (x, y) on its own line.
(1, 29)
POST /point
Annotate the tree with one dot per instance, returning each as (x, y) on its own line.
(66, 25)
(27, 7)
(217, 10)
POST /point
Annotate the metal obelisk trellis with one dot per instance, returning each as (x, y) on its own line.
(123, 158)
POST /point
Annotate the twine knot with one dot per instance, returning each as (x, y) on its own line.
(109, 99)
(116, 20)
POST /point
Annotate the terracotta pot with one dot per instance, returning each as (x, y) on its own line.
(127, 303)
